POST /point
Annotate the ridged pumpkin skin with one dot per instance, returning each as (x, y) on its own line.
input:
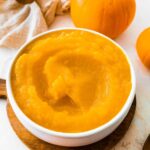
(110, 17)
(143, 47)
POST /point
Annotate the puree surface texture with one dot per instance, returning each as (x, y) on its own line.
(71, 80)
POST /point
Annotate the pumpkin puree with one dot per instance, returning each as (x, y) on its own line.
(71, 81)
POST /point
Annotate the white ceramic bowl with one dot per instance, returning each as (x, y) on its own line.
(71, 139)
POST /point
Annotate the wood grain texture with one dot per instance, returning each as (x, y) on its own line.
(36, 144)
(3, 93)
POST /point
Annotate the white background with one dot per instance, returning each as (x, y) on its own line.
(140, 127)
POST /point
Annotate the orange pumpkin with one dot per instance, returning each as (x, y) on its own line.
(110, 17)
(143, 47)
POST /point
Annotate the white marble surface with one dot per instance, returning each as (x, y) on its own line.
(140, 127)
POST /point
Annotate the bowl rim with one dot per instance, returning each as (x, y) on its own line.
(110, 123)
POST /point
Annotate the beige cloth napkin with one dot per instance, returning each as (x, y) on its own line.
(19, 23)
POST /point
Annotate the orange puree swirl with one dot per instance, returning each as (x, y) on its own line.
(71, 81)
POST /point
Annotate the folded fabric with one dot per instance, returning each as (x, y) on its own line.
(18, 22)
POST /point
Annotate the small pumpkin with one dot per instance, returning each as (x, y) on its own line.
(110, 17)
(143, 47)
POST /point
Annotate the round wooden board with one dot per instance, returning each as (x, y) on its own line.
(36, 144)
